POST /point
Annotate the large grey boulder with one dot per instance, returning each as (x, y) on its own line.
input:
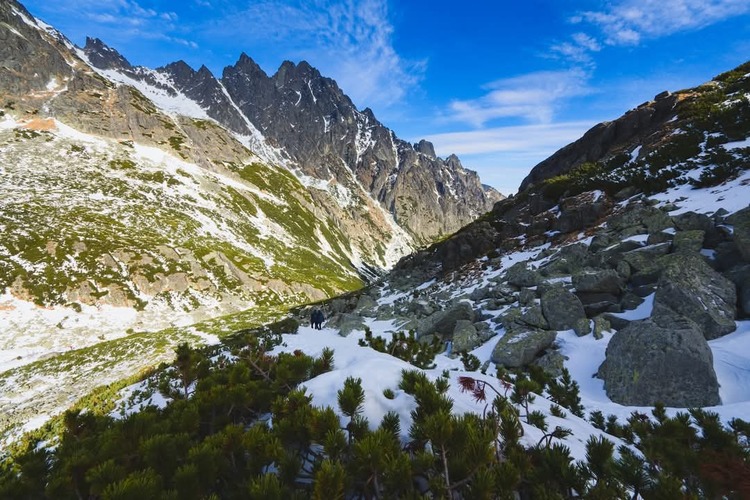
(521, 345)
(534, 316)
(568, 260)
(421, 308)
(639, 219)
(465, 336)
(551, 362)
(690, 241)
(647, 363)
(347, 323)
(690, 288)
(521, 276)
(694, 221)
(581, 211)
(366, 305)
(442, 323)
(564, 311)
(599, 281)
(645, 263)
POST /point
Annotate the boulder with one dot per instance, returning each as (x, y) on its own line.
(465, 336)
(630, 301)
(690, 241)
(366, 305)
(480, 293)
(509, 317)
(601, 241)
(563, 310)
(693, 221)
(601, 325)
(639, 219)
(623, 269)
(740, 222)
(581, 211)
(660, 237)
(551, 362)
(526, 296)
(740, 276)
(596, 303)
(647, 363)
(645, 263)
(534, 317)
(616, 321)
(442, 323)
(347, 323)
(600, 281)
(421, 308)
(568, 260)
(619, 247)
(520, 276)
(521, 345)
(690, 288)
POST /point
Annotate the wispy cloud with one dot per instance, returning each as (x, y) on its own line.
(351, 41)
(628, 22)
(123, 20)
(540, 139)
(504, 155)
(533, 97)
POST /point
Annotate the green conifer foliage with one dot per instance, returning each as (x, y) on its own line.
(405, 347)
(330, 481)
(565, 392)
(245, 429)
(632, 472)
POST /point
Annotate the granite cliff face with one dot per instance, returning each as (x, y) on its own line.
(321, 133)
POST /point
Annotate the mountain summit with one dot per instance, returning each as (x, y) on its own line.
(322, 134)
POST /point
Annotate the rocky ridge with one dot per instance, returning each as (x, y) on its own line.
(322, 134)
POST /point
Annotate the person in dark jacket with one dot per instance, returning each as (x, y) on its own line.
(316, 319)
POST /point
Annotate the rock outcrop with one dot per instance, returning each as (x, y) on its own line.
(649, 363)
(689, 288)
(603, 138)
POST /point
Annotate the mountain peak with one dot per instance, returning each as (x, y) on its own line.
(103, 56)
(426, 148)
(246, 65)
(288, 71)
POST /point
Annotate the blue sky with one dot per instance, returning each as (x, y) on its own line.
(501, 84)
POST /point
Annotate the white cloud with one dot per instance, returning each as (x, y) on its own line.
(533, 97)
(118, 20)
(503, 156)
(627, 22)
(539, 139)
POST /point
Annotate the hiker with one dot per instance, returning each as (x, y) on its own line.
(316, 319)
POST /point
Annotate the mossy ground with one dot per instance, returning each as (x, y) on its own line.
(88, 221)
